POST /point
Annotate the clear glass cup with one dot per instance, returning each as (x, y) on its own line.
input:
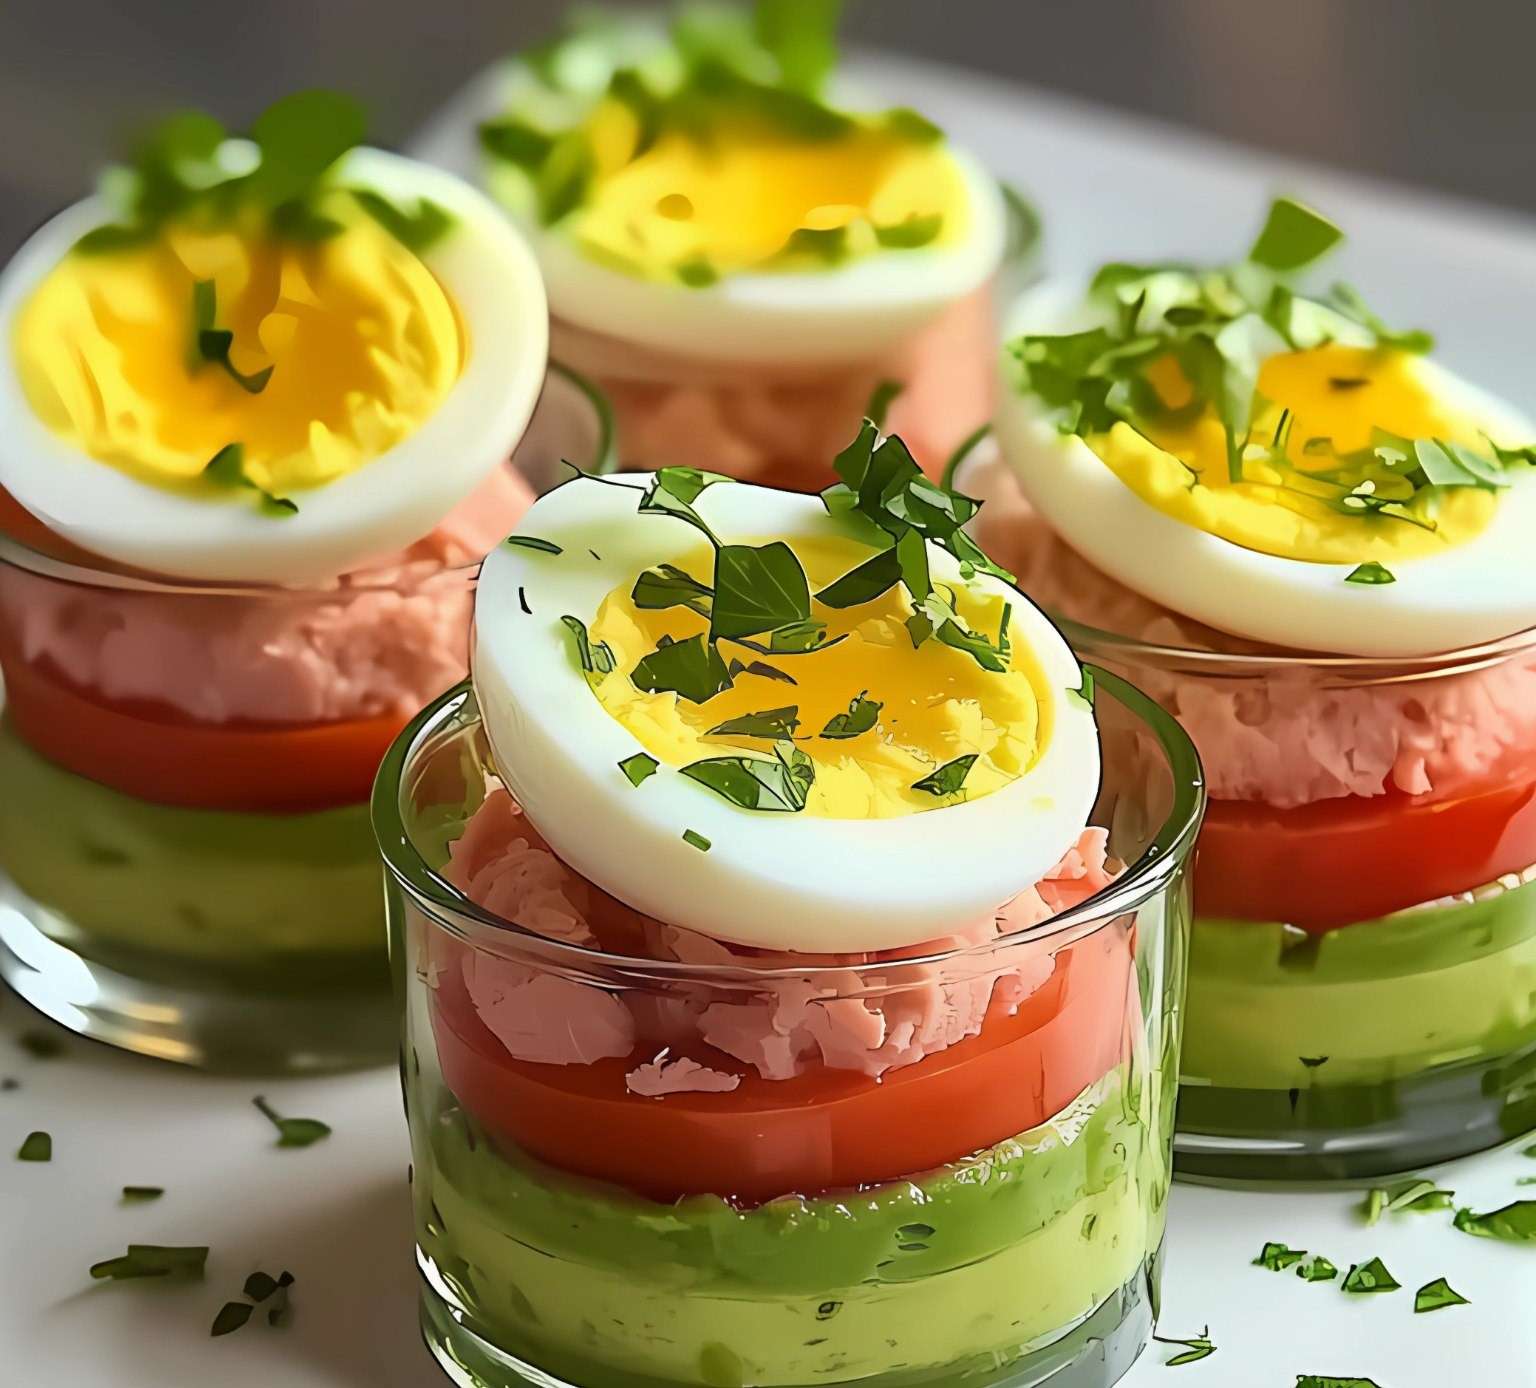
(990, 1214)
(186, 865)
(1362, 985)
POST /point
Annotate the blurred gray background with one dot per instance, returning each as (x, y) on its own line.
(1434, 92)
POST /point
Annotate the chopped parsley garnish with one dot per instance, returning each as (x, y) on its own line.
(1514, 1223)
(259, 1287)
(692, 669)
(532, 542)
(292, 1132)
(416, 228)
(758, 589)
(226, 470)
(762, 669)
(1369, 1278)
(176, 1264)
(772, 723)
(1413, 1193)
(880, 401)
(669, 586)
(232, 1315)
(1313, 1061)
(1277, 1257)
(1293, 237)
(697, 272)
(213, 344)
(1193, 1350)
(1436, 1296)
(780, 783)
(1370, 572)
(141, 1195)
(640, 767)
(949, 778)
(40, 1045)
(1316, 1269)
(915, 230)
(36, 1147)
(696, 840)
(863, 713)
(594, 659)
(1328, 1381)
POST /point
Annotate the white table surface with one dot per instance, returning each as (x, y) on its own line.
(337, 1214)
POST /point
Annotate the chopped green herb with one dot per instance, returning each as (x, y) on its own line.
(795, 638)
(826, 244)
(292, 1132)
(963, 450)
(1371, 1277)
(669, 586)
(691, 669)
(1327, 1381)
(516, 142)
(697, 272)
(696, 840)
(1313, 1061)
(593, 659)
(758, 588)
(863, 713)
(522, 601)
(9, 1083)
(40, 1045)
(417, 229)
(153, 1260)
(880, 401)
(1514, 1223)
(1371, 573)
(1436, 1296)
(226, 469)
(762, 669)
(1348, 382)
(277, 1312)
(1349, 302)
(640, 767)
(1316, 1269)
(232, 1315)
(1277, 1257)
(1083, 694)
(773, 723)
(911, 233)
(949, 778)
(778, 784)
(1293, 236)
(213, 344)
(534, 543)
(1193, 1350)
(864, 583)
(802, 37)
(36, 1147)
(260, 1285)
(1413, 1193)
(141, 1195)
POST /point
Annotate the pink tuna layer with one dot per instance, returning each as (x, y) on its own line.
(784, 427)
(383, 640)
(1295, 733)
(781, 1027)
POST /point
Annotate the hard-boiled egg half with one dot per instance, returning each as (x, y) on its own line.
(766, 718)
(1277, 466)
(265, 360)
(691, 190)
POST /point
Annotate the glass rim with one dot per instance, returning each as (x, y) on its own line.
(19, 555)
(1167, 852)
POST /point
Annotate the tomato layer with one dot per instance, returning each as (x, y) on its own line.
(823, 1130)
(1327, 865)
(159, 754)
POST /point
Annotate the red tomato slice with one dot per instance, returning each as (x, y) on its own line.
(159, 754)
(1330, 864)
(823, 1130)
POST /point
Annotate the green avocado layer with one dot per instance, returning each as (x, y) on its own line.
(1372, 1003)
(190, 895)
(982, 1261)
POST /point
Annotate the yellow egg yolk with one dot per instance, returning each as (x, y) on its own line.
(1333, 393)
(937, 703)
(734, 202)
(362, 340)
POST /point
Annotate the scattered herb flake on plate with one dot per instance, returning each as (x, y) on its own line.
(1436, 1296)
(153, 1260)
(640, 767)
(1369, 1278)
(1277, 1257)
(292, 1132)
(36, 1147)
(1513, 1223)
(1193, 1350)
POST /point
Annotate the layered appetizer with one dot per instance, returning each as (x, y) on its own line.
(1311, 542)
(737, 249)
(790, 980)
(258, 396)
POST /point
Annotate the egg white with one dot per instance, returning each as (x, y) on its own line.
(1480, 590)
(775, 880)
(384, 505)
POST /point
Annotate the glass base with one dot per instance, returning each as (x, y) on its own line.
(1097, 1353)
(1351, 1132)
(235, 1022)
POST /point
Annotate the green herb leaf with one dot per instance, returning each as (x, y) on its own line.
(1349, 302)
(1326, 1381)
(40, 1045)
(232, 1315)
(1193, 1350)
(912, 232)
(1413, 1193)
(1436, 1296)
(226, 469)
(1369, 1278)
(795, 638)
(691, 669)
(141, 1195)
(292, 1132)
(260, 1285)
(963, 450)
(778, 785)
(300, 137)
(880, 401)
(1277, 1257)
(153, 1260)
(277, 1312)
(1514, 1223)
(516, 142)
(213, 344)
(669, 586)
(416, 230)
(1316, 1269)
(1083, 694)
(863, 713)
(762, 669)
(673, 491)
(640, 767)
(696, 840)
(826, 244)
(594, 659)
(1370, 573)
(864, 583)
(949, 778)
(36, 1147)
(757, 589)
(697, 272)
(1293, 236)
(802, 36)
(534, 543)
(773, 723)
